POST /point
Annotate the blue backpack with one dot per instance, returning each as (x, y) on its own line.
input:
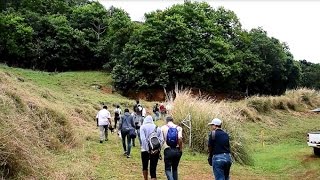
(172, 137)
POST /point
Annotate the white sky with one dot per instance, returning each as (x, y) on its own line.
(294, 22)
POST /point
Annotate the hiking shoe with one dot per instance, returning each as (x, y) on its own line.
(128, 156)
(101, 141)
(125, 153)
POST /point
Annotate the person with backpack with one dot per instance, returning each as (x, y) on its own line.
(137, 108)
(137, 124)
(172, 146)
(163, 110)
(151, 142)
(126, 127)
(156, 112)
(138, 118)
(219, 151)
(103, 122)
(117, 114)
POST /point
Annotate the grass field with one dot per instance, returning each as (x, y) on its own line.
(277, 145)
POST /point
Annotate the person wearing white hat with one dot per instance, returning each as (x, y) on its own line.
(219, 150)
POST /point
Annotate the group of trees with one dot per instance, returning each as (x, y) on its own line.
(190, 44)
(60, 35)
(310, 75)
(197, 46)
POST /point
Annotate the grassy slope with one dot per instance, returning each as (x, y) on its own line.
(285, 154)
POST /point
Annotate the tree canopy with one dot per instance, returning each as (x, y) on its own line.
(191, 44)
(197, 46)
(57, 35)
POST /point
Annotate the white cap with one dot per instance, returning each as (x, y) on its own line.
(216, 122)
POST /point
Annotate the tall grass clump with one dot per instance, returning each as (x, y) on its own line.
(293, 100)
(202, 111)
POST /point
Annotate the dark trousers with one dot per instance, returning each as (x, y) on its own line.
(145, 157)
(124, 135)
(171, 162)
(116, 119)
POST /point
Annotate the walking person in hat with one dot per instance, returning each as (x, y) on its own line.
(219, 151)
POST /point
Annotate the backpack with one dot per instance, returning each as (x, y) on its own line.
(154, 142)
(172, 137)
(132, 133)
(117, 113)
(137, 121)
(155, 109)
(213, 135)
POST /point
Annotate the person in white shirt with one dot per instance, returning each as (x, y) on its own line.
(117, 114)
(103, 122)
(172, 146)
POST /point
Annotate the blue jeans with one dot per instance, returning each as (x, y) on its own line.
(221, 164)
(171, 161)
(124, 135)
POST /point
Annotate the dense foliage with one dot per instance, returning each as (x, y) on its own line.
(57, 35)
(191, 44)
(310, 75)
(197, 46)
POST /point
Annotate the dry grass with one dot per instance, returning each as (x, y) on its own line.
(298, 100)
(253, 109)
(202, 111)
(31, 132)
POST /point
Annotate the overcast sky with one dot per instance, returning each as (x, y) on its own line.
(294, 22)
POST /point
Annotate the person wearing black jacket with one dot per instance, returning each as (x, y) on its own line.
(219, 151)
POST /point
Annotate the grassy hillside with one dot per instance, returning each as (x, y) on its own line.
(47, 131)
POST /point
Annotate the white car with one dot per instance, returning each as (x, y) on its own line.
(314, 141)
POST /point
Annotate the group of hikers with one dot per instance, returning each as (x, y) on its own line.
(153, 139)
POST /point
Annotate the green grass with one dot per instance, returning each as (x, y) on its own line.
(284, 156)
(75, 88)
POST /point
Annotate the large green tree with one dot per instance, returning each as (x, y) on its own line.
(276, 65)
(185, 44)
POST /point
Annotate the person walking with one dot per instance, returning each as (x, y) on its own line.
(151, 141)
(117, 114)
(138, 119)
(137, 108)
(219, 151)
(163, 110)
(103, 121)
(125, 126)
(156, 112)
(137, 124)
(172, 146)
